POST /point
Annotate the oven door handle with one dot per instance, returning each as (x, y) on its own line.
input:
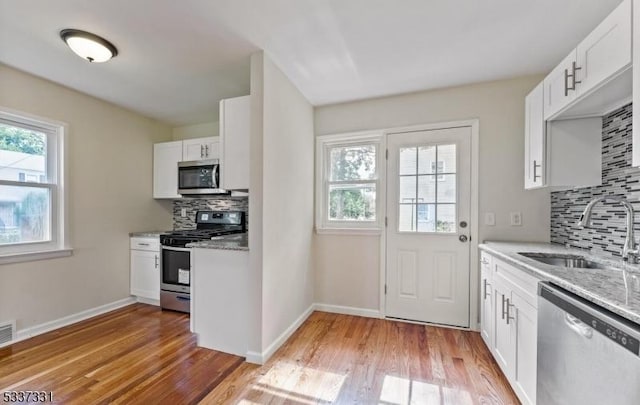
(176, 249)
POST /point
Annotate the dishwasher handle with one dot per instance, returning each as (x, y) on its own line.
(578, 326)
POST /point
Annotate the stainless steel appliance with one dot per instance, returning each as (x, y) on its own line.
(199, 177)
(175, 258)
(586, 354)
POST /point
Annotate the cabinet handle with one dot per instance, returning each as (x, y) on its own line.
(206, 150)
(571, 75)
(486, 293)
(143, 244)
(484, 261)
(156, 257)
(201, 151)
(502, 306)
(575, 68)
(508, 315)
(535, 170)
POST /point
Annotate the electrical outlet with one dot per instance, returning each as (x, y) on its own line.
(489, 218)
(516, 219)
(183, 212)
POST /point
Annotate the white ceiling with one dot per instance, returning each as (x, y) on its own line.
(179, 58)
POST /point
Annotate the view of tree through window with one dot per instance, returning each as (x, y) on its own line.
(352, 183)
(24, 208)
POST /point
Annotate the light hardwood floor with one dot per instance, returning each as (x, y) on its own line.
(141, 355)
(353, 360)
(134, 355)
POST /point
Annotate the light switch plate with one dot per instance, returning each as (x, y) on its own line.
(516, 219)
(183, 212)
(489, 218)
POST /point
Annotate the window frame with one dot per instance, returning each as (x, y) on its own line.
(57, 246)
(324, 145)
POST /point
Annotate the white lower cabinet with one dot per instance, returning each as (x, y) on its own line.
(508, 316)
(145, 269)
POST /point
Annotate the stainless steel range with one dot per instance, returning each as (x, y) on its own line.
(175, 259)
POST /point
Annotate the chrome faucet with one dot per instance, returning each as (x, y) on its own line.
(629, 250)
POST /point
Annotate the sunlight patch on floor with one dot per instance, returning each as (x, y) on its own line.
(403, 391)
(304, 384)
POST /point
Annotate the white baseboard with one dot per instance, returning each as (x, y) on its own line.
(339, 309)
(68, 320)
(148, 301)
(261, 358)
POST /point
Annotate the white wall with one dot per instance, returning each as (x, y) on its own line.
(110, 182)
(282, 161)
(196, 131)
(347, 271)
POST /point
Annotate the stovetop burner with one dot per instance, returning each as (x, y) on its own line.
(208, 225)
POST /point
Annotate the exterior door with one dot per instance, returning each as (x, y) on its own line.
(427, 234)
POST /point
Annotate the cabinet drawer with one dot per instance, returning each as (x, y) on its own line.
(525, 285)
(151, 244)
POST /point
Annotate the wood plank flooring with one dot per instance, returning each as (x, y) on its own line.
(137, 354)
(352, 360)
(141, 355)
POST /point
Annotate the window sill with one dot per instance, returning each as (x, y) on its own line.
(349, 231)
(33, 256)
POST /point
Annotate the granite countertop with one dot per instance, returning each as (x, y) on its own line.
(616, 288)
(226, 242)
(147, 234)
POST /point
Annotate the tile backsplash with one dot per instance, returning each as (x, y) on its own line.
(215, 203)
(618, 178)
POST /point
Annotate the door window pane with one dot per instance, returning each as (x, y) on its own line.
(24, 214)
(426, 159)
(352, 202)
(429, 205)
(352, 163)
(22, 154)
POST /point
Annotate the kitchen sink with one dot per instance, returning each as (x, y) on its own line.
(564, 260)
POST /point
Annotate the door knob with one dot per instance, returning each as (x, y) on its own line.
(463, 238)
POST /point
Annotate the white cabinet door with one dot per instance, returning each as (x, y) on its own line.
(200, 149)
(145, 274)
(534, 149)
(166, 156)
(234, 141)
(526, 336)
(606, 50)
(503, 331)
(558, 86)
(486, 301)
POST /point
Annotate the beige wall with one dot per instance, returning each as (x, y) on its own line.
(347, 270)
(196, 131)
(110, 183)
(280, 202)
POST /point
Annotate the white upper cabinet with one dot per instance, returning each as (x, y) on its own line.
(166, 156)
(234, 141)
(201, 148)
(534, 138)
(559, 85)
(605, 51)
(595, 77)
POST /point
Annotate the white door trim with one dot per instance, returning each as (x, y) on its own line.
(474, 269)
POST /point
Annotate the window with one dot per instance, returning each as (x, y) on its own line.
(348, 182)
(428, 193)
(31, 195)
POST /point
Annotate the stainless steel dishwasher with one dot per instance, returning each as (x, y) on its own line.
(586, 354)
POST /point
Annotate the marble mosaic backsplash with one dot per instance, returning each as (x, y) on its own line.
(217, 203)
(618, 178)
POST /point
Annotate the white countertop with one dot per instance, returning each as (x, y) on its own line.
(616, 289)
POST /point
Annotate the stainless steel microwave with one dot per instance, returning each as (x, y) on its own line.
(199, 177)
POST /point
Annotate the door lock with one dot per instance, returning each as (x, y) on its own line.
(463, 238)
(463, 224)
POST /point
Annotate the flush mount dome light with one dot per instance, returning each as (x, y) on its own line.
(88, 46)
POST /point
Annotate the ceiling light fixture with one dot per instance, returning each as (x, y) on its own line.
(88, 46)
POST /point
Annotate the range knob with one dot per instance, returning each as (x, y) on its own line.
(624, 340)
